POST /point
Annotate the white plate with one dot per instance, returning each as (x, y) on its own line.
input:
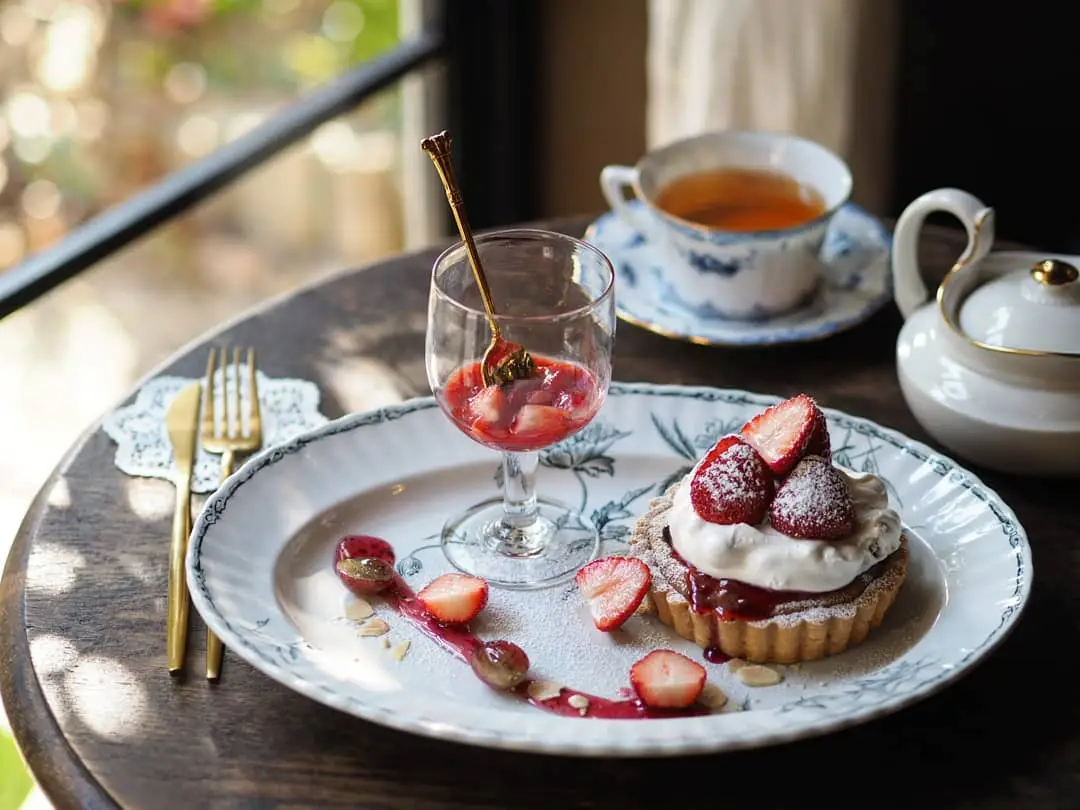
(260, 573)
(858, 282)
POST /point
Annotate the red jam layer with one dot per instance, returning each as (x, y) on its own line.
(732, 600)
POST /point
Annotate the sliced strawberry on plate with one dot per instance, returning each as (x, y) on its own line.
(813, 503)
(613, 587)
(732, 484)
(781, 433)
(454, 598)
(665, 679)
(819, 444)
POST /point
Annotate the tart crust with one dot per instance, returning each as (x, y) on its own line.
(801, 631)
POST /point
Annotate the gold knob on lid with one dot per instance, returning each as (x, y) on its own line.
(1054, 272)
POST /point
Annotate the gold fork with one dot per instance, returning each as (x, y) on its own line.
(229, 442)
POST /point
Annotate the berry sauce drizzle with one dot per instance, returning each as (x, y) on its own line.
(714, 655)
(461, 643)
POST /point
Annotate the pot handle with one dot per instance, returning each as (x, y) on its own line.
(909, 289)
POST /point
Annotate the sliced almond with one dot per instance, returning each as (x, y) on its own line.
(713, 696)
(376, 627)
(579, 702)
(359, 610)
(544, 690)
(735, 664)
(386, 643)
(400, 650)
(756, 675)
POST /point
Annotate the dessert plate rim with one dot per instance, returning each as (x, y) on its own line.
(230, 600)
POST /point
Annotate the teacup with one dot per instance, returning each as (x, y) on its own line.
(712, 272)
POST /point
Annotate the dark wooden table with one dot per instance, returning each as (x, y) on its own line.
(1007, 736)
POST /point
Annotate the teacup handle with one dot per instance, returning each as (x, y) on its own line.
(613, 183)
(909, 289)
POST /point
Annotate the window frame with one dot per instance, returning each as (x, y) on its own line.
(486, 50)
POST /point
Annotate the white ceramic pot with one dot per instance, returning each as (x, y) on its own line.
(991, 368)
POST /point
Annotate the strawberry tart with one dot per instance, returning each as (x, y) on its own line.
(769, 552)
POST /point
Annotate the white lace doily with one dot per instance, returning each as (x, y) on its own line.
(288, 407)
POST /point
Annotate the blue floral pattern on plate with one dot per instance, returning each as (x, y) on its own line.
(858, 282)
(963, 537)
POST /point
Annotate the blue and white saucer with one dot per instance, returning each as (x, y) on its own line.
(857, 284)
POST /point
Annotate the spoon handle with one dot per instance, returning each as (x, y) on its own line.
(438, 149)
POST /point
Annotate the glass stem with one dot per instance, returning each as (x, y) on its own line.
(519, 489)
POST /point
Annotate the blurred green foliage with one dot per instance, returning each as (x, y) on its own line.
(297, 43)
(15, 782)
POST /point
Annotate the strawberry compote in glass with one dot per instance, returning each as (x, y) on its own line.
(555, 297)
(555, 403)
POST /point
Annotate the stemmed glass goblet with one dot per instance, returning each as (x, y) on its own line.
(556, 297)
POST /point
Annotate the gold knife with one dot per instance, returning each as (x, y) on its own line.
(182, 421)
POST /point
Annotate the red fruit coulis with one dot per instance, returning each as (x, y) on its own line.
(560, 397)
(714, 655)
(460, 642)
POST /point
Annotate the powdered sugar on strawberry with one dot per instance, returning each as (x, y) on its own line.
(732, 484)
(813, 502)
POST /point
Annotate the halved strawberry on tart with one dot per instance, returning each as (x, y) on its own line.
(767, 551)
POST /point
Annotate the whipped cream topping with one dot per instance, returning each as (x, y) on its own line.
(762, 556)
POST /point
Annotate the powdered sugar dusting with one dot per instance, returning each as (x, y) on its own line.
(735, 477)
(814, 495)
(556, 631)
(648, 543)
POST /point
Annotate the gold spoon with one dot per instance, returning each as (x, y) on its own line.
(503, 360)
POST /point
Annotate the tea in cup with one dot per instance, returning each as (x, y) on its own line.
(738, 217)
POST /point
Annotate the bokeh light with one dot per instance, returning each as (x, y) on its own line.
(343, 22)
(12, 244)
(185, 82)
(198, 135)
(99, 98)
(41, 199)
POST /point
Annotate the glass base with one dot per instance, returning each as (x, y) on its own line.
(547, 552)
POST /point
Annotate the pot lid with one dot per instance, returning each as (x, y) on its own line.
(1037, 309)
